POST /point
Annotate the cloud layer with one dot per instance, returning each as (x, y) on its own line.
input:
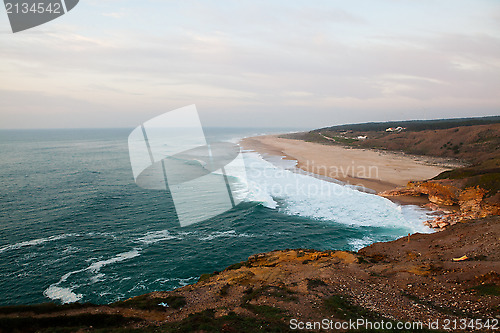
(260, 63)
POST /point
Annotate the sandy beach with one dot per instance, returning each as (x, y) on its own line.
(375, 170)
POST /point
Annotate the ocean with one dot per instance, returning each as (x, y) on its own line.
(74, 226)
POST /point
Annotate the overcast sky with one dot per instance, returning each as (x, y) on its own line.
(270, 63)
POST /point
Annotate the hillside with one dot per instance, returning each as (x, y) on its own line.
(415, 125)
(474, 144)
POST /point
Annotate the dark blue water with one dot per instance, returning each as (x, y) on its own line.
(75, 227)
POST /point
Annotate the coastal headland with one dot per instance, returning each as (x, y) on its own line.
(443, 281)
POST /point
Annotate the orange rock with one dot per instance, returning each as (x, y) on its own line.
(442, 224)
(472, 201)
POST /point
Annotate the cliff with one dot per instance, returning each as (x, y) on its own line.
(423, 277)
(459, 195)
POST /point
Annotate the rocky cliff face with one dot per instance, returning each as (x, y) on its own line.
(472, 202)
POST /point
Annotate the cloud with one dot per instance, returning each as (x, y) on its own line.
(117, 15)
(248, 58)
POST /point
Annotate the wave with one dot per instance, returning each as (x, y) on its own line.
(67, 295)
(39, 241)
(153, 237)
(181, 282)
(95, 267)
(357, 243)
(34, 242)
(219, 234)
(301, 194)
(260, 195)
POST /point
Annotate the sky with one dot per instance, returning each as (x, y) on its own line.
(269, 63)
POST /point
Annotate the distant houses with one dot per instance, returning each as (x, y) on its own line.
(395, 129)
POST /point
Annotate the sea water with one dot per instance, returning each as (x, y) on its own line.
(75, 227)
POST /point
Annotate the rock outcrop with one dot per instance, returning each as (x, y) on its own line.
(466, 202)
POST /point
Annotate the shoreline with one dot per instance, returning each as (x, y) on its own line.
(422, 277)
(371, 171)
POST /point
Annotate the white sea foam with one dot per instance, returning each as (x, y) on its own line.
(35, 242)
(187, 281)
(96, 267)
(259, 194)
(219, 234)
(98, 277)
(303, 195)
(39, 241)
(138, 286)
(357, 244)
(70, 250)
(102, 234)
(180, 281)
(67, 295)
(152, 237)
(275, 188)
(64, 294)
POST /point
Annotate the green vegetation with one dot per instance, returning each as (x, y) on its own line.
(432, 305)
(202, 321)
(490, 166)
(471, 140)
(280, 293)
(206, 322)
(270, 313)
(487, 289)
(144, 302)
(206, 276)
(266, 311)
(344, 140)
(485, 175)
(238, 265)
(341, 308)
(224, 290)
(415, 125)
(42, 308)
(490, 182)
(314, 283)
(308, 136)
(64, 323)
